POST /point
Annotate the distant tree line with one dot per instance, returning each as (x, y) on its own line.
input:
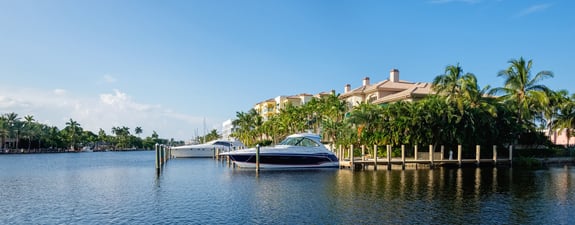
(28, 135)
(461, 112)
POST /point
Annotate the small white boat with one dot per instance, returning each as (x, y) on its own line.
(207, 149)
(296, 151)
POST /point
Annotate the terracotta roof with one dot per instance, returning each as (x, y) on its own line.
(420, 89)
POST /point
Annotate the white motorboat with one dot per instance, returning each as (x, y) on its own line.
(296, 151)
(207, 149)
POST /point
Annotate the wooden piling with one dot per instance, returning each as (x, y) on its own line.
(431, 156)
(494, 155)
(362, 152)
(459, 155)
(351, 157)
(258, 157)
(510, 155)
(403, 157)
(442, 152)
(477, 154)
(157, 158)
(388, 157)
(374, 157)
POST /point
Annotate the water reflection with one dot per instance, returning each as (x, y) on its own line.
(71, 189)
(467, 195)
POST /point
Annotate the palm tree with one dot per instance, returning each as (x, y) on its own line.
(247, 125)
(138, 131)
(74, 131)
(450, 83)
(557, 101)
(524, 91)
(3, 130)
(566, 118)
(29, 125)
(13, 126)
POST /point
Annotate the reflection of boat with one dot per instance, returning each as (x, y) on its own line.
(296, 151)
(205, 150)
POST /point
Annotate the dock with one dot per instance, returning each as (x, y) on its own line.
(417, 159)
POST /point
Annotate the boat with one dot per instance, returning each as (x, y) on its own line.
(303, 150)
(207, 149)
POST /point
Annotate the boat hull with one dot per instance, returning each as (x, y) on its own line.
(193, 153)
(285, 161)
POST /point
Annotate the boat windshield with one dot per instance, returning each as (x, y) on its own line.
(299, 141)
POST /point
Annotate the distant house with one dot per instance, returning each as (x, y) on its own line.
(389, 90)
(273, 106)
(227, 129)
(560, 138)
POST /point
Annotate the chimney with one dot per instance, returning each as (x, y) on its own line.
(347, 88)
(394, 75)
(365, 81)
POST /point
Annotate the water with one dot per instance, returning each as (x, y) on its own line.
(122, 188)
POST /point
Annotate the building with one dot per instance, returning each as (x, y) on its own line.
(389, 90)
(227, 129)
(273, 106)
(559, 137)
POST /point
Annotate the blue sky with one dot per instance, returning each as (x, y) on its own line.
(168, 66)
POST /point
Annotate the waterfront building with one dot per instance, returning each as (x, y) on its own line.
(273, 106)
(560, 137)
(227, 129)
(389, 90)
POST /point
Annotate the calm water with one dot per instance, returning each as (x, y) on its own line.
(122, 188)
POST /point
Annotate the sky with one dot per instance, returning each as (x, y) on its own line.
(183, 67)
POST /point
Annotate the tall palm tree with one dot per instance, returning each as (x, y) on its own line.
(450, 83)
(523, 90)
(3, 130)
(138, 131)
(74, 131)
(565, 120)
(29, 125)
(247, 125)
(13, 126)
(557, 101)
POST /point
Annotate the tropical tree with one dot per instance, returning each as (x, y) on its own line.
(73, 130)
(29, 129)
(247, 125)
(565, 120)
(523, 91)
(557, 101)
(138, 131)
(4, 130)
(13, 123)
(451, 82)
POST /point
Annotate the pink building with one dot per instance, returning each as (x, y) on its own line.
(560, 138)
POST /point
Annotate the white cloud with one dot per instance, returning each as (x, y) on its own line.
(109, 78)
(59, 92)
(105, 111)
(533, 9)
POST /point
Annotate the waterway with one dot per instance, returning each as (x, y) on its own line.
(123, 188)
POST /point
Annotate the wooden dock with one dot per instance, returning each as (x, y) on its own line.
(430, 159)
